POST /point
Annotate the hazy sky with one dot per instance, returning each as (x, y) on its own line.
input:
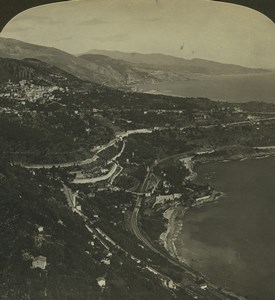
(186, 28)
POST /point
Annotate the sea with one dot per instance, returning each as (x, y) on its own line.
(232, 241)
(231, 88)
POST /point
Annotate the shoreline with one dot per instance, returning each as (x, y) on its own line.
(169, 236)
(235, 157)
(175, 214)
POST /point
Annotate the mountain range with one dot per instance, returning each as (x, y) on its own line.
(178, 65)
(96, 68)
(118, 69)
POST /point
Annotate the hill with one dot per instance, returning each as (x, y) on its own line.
(35, 70)
(37, 223)
(10, 48)
(126, 73)
(43, 115)
(95, 68)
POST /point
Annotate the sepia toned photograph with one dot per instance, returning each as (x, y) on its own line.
(137, 150)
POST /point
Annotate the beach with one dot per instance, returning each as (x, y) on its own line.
(174, 218)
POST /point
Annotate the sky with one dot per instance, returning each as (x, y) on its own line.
(205, 29)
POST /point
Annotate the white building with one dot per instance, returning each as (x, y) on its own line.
(40, 229)
(161, 198)
(203, 199)
(203, 286)
(101, 281)
(106, 261)
(39, 262)
(170, 284)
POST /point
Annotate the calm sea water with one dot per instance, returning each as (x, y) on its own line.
(233, 241)
(231, 88)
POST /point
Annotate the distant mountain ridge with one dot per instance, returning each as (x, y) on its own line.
(10, 48)
(95, 68)
(116, 68)
(127, 73)
(148, 73)
(179, 65)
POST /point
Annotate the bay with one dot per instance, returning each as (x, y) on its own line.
(231, 88)
(232, 241)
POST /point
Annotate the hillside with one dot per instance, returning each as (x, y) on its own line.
(36, 70)
(99, 69)
(37, 222)
(10, 48)
(127, 73)
(39, 114)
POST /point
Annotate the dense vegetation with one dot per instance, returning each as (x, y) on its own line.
(30, 200)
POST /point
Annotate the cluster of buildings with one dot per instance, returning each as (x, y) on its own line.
(27, 90)
(164, 198)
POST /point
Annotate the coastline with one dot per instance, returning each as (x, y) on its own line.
(213, 157)
(174, 226)
(210, 238)
(175, 214)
